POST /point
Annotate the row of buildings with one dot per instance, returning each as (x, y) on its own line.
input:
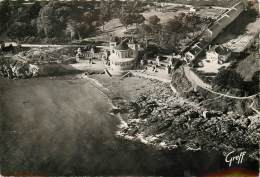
(214, 30)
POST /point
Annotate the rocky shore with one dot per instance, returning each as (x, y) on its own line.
(155, 115)
(12, 69)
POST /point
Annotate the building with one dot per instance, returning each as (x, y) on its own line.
(242, 42)
(224, 20)
(195, 50)
(123, 57)
(218, 53)
(214, 30)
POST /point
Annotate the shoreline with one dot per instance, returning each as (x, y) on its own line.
(142, 129)
(123, 123)
(140, 135)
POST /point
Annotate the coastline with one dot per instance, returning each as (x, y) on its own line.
(98, 136)
(174, 122)
(123, 123)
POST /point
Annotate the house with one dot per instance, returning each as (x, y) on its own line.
(195, 51)
(123, 57)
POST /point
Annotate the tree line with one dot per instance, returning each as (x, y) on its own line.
(56, 20)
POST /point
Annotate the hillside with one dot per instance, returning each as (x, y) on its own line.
(249, 67)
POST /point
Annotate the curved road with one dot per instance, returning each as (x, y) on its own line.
(197, 81)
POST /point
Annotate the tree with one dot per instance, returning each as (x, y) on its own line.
(48, 23)
(173, 26)
(63, 11)
(229, 79)
(192, 23)
(126, 19)
(138, 19)
(35, 9)
(154, 23)
(104, 12)
(115, 7)
(72, 29)
(145, 29)
(5, 12)
(18, 3)
(154, 20)
(20, 30)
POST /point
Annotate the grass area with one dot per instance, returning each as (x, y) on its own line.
(115, 27)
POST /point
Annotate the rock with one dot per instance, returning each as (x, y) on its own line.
(132, 131)
(164, 125)
(180, 141)
(115, 111)
(247, 122)
(153, 119)
(192, 114)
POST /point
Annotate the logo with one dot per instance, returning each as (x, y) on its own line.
(232, 157)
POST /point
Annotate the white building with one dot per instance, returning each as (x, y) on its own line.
(122, 57)
(224, 20)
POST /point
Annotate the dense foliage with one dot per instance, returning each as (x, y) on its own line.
(56, 21)
(60, 20)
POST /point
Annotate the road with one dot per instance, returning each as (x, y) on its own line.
(196, 81)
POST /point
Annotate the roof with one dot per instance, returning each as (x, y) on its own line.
(231, 12)
(222, 50)
(122, 46)
(202, 44)
(195, 50)
(132, 41)
(224, 20)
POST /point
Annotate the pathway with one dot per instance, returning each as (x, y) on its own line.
(161, 74)
(196, 81)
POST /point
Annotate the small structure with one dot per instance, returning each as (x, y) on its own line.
(218, 53)
(158, 61)
(133, 45)
(79, 55)
(192, 10)
(195, 50)
(122, 57)
(176, 56)
(112, 43)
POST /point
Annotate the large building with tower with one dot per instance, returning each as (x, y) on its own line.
(123, 56)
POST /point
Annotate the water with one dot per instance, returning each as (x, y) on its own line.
(63, 127)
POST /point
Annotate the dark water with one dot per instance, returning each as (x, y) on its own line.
(62, 127)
